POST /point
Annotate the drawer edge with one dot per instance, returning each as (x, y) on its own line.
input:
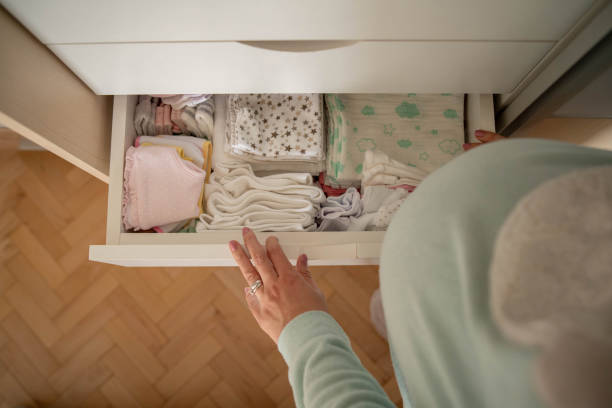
(219, 255)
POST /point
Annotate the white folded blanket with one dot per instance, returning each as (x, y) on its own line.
(237, 198)
(237, 178)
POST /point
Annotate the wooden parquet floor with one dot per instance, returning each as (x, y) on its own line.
(77, 333)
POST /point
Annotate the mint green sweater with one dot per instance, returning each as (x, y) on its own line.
(434, 284)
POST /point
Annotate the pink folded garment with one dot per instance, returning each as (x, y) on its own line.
(159, 187)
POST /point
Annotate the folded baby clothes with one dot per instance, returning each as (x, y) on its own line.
(167, 121)
(347, 205)
(144, 116)
(259, 167)
(389, 207)
(236, 198)
(372, 212)
(422, 130)
(257, 209)
(337, 213)
(237, 177)
(204, 116)
(194, 149)
(379, 168)
(178, 125)
(199, 120)
(275, 127)
(159, 187)
(181, 101)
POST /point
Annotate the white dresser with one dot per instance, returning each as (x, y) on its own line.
(514, 49)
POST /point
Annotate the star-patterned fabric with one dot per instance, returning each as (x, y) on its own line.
(420, 130)
(271, 127)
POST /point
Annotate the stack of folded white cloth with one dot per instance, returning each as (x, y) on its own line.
(276, 131)
(380, 169)
(236, 198)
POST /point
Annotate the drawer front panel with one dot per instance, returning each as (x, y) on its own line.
(87, 21)
(361, 67)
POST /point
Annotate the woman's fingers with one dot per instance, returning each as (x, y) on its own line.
(244, 263)
(485, 136)
(301, 267)
(259, 257)
(277, 256)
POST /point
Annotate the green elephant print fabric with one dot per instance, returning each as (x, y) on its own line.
(423, 130)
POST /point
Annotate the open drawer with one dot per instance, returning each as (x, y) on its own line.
(210, 248)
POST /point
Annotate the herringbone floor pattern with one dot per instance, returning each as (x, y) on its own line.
(77, 333)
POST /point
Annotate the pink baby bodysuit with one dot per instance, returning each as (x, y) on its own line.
(159, 187)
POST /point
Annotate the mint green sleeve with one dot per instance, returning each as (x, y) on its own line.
(323, 369)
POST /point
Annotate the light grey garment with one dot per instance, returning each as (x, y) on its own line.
(551, 284)
(345, 205)
(340, 212)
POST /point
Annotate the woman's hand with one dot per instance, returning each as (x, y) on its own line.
(286, 292)
(485, 137)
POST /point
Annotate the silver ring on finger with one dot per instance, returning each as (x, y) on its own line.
(256, 285)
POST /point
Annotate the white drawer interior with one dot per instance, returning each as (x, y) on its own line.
(210, 247)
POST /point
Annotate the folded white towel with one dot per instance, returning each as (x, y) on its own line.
(236, 178)
(256, 209)
(236, 198)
